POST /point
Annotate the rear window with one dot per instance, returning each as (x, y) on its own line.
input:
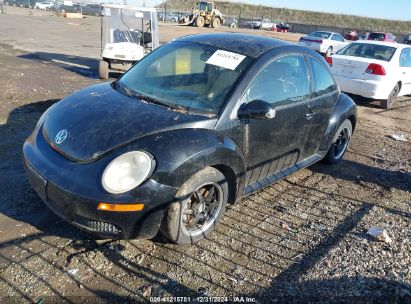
(323, 35)
(377, 36)
(372, 51)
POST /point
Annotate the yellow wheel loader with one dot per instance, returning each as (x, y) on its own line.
(205, 14)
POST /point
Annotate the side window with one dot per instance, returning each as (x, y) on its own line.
(283, 81)
(340, 38)
(323, 81)
(405, 58)
(337, 37)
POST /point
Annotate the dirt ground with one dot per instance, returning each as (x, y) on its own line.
(301, 240)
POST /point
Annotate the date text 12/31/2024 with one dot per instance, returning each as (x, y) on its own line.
(203, 299)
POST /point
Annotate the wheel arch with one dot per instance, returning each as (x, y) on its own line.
(353, 119)
(182, 153)
(344, 108)
(400, 84)
(232, 181)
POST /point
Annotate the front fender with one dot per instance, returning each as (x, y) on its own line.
(344, 108)
(182, 153)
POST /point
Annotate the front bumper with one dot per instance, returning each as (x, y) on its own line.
(83, 213)
(73, 192)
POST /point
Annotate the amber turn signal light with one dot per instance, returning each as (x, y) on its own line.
(120, 207)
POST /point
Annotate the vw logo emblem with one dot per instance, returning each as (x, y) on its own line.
(61, 136)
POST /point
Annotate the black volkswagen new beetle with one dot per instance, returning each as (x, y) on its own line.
(199, 123)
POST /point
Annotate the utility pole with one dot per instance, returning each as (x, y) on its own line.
(164, 11)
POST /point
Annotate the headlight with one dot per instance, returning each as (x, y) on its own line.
(127, 171)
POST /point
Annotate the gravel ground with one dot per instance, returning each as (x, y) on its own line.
(302, 240)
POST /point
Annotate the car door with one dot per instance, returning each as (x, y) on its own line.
(405, 71)
(274, 145)
(324, 96)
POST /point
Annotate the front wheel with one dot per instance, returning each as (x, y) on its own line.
(216, 23)
(197, 207)
(103, 70)
(340, 143)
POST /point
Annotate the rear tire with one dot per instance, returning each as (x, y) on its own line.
(339, 143)
(200, 21)
(392, 98)
(103, 71)
(329, 52)
(197, 207)
(216, 23)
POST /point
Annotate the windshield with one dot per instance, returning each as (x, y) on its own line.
(368, 50)
(184, 75)
(122, 24)
(323, 35)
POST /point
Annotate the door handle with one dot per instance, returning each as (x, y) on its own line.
(271, 114)
(309, 115)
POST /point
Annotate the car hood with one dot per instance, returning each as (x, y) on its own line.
(98, 119)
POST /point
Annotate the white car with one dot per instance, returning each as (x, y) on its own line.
(374, 69)
(323, 42)
(266, 24)
(44, 5)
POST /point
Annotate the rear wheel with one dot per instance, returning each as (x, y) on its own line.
(392, 98)
(200, 21)
(197, 207)
(340, 143)
(103, 70)
(216, 23)
(329, 52)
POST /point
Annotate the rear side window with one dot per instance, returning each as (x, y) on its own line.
(323, 81)
(337, 37)
(377, 36)
(369, 50)
(405, 58)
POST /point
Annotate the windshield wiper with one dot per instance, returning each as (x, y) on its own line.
(148, 99)
(171, 106)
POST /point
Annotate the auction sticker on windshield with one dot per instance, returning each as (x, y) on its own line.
(226, 59)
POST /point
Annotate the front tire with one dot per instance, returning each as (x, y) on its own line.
(216, 23)
(103, 70)
(392, 98)
(340, 143)
(197, 207)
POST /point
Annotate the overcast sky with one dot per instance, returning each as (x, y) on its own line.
(396, 10)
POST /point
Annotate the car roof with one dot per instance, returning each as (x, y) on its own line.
(121, 6)
(387, 43)
(324, 32)
(249, 45)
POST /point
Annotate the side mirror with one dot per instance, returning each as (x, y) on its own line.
(256, 109)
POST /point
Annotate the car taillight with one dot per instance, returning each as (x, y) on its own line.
(375, 69)
(329, 60)
(311, 40)
(318, 41)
